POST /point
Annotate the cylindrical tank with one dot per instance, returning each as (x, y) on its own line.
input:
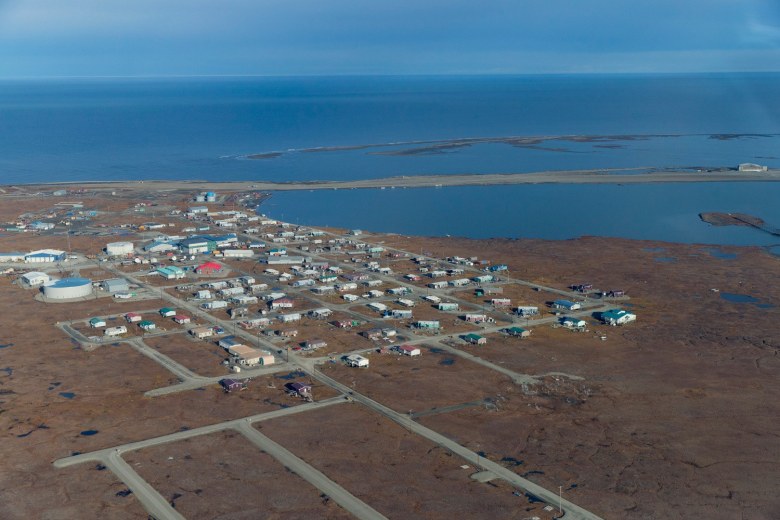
(68, 288)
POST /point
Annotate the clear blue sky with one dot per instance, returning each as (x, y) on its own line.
(294, 37)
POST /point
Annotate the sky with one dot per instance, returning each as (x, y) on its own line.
(51, 38)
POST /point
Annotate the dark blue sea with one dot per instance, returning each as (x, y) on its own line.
(359, 127)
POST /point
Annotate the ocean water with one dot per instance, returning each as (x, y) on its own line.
(345, 128)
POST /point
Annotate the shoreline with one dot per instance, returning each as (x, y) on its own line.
(600, 176)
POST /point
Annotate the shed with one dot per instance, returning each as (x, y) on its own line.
(181, 319)
(133, 317)
(167, 312)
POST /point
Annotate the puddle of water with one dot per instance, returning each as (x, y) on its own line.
(533, 499)
(665, 259)
(8, 371)
(717, 253)
(68, 395)
(573, 486)
(124, 493)
(447, 362)
(89, 433)
(654, 249)
(512, 461)
(765, 305)
(436, 350)
(775, 250)
(6, 345)
(100, 467)
(738, 298)
(292, 375)
(533, 472)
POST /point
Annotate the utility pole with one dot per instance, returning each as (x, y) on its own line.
(560, 499)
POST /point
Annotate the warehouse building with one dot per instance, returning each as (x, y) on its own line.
(119, 248)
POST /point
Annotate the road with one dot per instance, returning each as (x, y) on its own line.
(600, 176)
(572, 510)
(314, 477)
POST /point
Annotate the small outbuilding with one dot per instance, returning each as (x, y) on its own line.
(518, 332)
(475, 339)
(232, 385)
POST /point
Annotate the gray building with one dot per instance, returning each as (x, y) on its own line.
(116, 285)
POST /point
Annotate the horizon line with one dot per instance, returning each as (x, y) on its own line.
(389, 75)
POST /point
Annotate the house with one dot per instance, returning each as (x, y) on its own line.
(527, 311)
(320, 313)
(566, 305)
(477, 318)
(35, 278)
(350, 297)
(203, 294)
(232, 385)
(427, 324)
(167, 312)
(431, 298)
(485, 278)
(399, 314)
(281, 303)
(209, 268)
(213, 305)
(115, 331)
(238, 312)
(448, 306)
(357, 361)
(408, 350)
(248, 356)
(133, 317)
(460, 282)
(405, 302)
(202, 332)
(289, 318)
(299, 389)
(244, 299)
(182, 319)
(615, 293)
(518, 332)
(374, 334)
(501, 302)
(412, 277)
(116, 285)
(290, 333)
(475, 339)
(582, 287)
(315, 344)
(277, 251)
(437, 285)
(573, 323)
(97, 322)
(617, 317)
(147, 325)
(378, 307)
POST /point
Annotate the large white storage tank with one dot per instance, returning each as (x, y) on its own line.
(119, 248)
(68, 288)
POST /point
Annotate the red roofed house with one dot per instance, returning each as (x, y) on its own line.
(208, 268)
(133, 317)
(181, 319)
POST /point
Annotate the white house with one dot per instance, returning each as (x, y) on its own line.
(35, 278)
